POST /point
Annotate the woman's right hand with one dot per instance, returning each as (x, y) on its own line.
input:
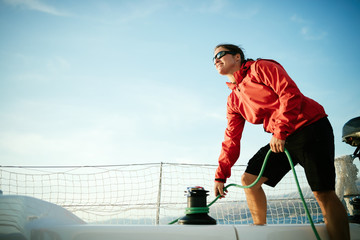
(219, 189)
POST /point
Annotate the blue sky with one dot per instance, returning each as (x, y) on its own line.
(115, 82)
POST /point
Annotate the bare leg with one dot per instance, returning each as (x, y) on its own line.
(255, 198)
(335, 215)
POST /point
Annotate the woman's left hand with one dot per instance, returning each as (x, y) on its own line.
(277, 145)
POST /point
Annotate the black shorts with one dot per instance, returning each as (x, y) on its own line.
(312, 147)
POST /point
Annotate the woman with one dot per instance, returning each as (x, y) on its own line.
(263, 93)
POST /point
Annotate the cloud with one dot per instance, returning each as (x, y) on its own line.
(131, 11)
(213, 6)
(50, 133)
(153, 124)
(297, 19)
(58, 64)
(309, 34)
(36, 6)
(306, 29)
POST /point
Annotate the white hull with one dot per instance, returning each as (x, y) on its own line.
(33, 219)
(186, 232)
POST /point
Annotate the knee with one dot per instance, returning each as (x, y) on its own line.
(247, 179)
(325, 196)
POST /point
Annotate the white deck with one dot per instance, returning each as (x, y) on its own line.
(36, 219)
(185, 232)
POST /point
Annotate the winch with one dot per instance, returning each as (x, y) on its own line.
(197, 210)
(351, 135)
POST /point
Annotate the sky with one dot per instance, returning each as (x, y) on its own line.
(123, 82)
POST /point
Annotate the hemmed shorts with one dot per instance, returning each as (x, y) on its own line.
(312, 147)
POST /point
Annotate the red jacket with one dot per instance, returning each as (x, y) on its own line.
(263, 94)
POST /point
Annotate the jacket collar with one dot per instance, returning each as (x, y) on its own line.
(239, 75)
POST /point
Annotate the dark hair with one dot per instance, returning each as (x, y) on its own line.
(236, 49)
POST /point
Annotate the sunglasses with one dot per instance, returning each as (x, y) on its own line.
(221, 54)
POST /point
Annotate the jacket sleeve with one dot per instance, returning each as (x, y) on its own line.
(274, 75)
(230, 150)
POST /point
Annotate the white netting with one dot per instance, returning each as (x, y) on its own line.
(151, 193)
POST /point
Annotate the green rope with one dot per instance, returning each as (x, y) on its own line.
(195, 210)
(206, 209)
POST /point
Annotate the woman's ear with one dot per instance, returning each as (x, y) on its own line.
(238, 57)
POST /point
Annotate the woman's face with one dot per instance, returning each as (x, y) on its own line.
(227, 64)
